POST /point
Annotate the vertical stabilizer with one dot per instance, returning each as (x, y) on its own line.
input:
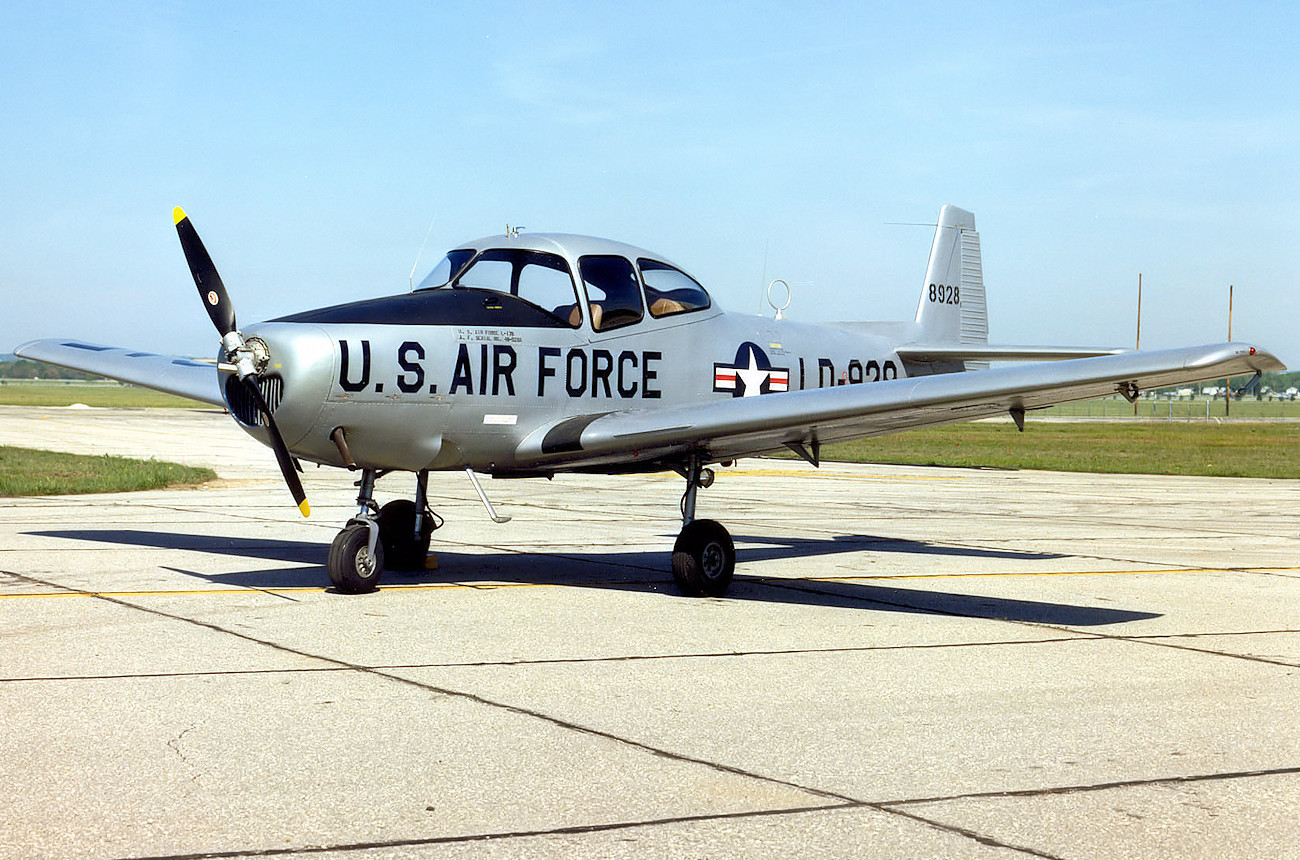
(952, 308)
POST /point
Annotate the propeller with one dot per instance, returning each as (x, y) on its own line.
(222, 313)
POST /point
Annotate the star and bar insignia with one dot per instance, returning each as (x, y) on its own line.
(750, 374)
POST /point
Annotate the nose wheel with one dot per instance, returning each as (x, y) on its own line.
(704, 556)
(396, 535)
(354, 565)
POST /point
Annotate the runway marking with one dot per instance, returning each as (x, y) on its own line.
(803, 473)
(761, 580)
(299, 589)
(809, 473)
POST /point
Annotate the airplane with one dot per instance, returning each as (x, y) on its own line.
(533, 354)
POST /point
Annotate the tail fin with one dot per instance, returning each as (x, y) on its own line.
(952, 319)
(952, 306)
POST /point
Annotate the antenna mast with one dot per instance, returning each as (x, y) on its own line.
(427, 233)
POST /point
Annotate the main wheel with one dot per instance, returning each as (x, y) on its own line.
(704, 558)
(397, 533)
(352, 568)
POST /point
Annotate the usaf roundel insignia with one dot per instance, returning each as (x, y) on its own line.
(751, 374)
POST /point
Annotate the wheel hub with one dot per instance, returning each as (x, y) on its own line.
(712, 560)
(365, 562)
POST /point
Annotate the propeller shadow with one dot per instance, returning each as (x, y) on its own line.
(632, 571)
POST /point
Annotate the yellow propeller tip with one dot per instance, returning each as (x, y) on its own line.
(305, 508)
(178, 215)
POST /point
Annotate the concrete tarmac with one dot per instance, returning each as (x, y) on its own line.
(911, 663)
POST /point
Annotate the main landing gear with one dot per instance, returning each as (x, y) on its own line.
(704, 557)
(395, 536)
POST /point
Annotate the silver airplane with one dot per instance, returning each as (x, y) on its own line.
(532, 354)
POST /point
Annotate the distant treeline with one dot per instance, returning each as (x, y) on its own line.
(1275, 381)
(24, 369)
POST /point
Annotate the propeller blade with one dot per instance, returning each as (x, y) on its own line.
(282, 454)
(212, 291)
(222, 313)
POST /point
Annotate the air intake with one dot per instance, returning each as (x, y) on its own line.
(241, 402)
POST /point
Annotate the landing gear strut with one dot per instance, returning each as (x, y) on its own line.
(397, 535)
(704, 557)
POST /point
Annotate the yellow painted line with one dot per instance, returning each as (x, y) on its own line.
(174, 593)
(826, 471)
(303, 589)
(805, 473)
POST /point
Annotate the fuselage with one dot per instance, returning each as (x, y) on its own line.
(461, 372)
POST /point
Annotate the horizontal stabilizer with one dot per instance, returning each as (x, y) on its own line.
(184, 377)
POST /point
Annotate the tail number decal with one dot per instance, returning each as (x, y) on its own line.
(941, 294)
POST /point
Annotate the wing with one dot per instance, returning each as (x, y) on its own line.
(726, 429)
(183, 376)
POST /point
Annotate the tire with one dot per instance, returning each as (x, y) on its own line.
(351, 567)
(397, 533)
(704, 559)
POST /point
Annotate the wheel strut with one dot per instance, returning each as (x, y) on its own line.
(696, 477)
(421, 501)
(368, 511)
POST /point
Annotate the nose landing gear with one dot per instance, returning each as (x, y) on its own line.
(396, 535)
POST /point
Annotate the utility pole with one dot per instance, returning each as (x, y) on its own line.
(1227, 383)
(1138, 344)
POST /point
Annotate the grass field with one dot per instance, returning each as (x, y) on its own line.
(28, 472)
(15, 393)
(1239, 449)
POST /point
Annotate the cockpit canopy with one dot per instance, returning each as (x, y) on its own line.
(539, 280)
(616, 284)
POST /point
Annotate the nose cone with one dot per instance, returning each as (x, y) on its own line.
(294, 381)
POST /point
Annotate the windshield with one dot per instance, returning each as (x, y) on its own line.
(539, 278)
(446, 269)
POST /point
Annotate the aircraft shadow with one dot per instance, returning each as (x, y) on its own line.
(633, 571)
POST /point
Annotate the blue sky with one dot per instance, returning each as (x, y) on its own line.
(314, 144)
